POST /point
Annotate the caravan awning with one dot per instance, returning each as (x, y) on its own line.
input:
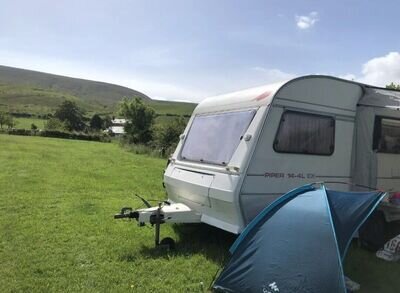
(381, 98)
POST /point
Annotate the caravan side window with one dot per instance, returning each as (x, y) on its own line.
(387, 135)
(304, 133)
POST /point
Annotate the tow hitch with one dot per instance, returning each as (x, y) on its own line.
(165, 212)
(127, 213)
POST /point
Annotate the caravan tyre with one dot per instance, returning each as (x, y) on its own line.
(168, 242)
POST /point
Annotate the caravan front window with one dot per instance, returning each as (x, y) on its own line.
(213, 138)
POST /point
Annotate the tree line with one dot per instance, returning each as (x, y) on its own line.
(141, 129)
(69, 117)
(6, 120)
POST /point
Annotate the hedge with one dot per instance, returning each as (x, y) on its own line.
(60, 134)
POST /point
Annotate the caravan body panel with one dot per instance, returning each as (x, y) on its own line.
(223, 210)
(271, 173)
(262, 166)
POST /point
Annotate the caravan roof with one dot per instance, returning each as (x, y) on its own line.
(263, 95)
(247, 98)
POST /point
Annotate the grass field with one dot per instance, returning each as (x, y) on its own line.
(25, 123)
(178, 108)
(57, 234)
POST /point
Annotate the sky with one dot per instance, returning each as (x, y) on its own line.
(187, 50)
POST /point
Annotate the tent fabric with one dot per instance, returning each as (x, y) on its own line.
(274, 205)
(297, 243)
(375, 101)
(349, 210)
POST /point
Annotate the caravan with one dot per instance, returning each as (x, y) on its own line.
(240, 151)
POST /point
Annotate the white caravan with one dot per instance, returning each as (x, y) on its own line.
(242, 150)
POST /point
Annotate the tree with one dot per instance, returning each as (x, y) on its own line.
(33, 126)
(70, 114)
(54, 124)
(393, 86)
(2, 119)
(167, 135)
(107, 122)
(96, 123)
(10, 122)
(139, 120)
(7, 120)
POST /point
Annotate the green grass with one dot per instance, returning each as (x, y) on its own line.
(87, 90)
(57, 234)
(25, 123)
(57, 199)
(28, 99)
(374, 274)
(178, 108)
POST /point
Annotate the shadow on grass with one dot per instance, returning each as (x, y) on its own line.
(192, 239)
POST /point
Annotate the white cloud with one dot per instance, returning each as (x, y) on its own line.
(304, 22)
(378, 71)
(382, 70)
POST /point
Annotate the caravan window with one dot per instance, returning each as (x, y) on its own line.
(304, 133)
(213, 138)
(387, 135)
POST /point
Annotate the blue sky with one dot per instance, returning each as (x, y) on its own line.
(187, 50)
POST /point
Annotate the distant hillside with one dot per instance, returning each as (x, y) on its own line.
(27, 91)
(87, 90)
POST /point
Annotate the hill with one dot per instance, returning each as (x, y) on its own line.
(33, 92)
(87, 90)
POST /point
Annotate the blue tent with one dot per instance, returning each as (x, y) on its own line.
(298, 243)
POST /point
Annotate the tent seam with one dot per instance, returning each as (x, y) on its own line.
(334, 235)
(383, 194)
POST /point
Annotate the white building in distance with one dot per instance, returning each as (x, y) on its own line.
(117, 127)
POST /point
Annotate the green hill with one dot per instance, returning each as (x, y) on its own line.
(33, 92)
(87, 90)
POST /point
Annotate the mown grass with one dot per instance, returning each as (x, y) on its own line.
(25, 123)
(373, 274)
(57, 199)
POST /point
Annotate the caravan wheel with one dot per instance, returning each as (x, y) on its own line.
(168, 242)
